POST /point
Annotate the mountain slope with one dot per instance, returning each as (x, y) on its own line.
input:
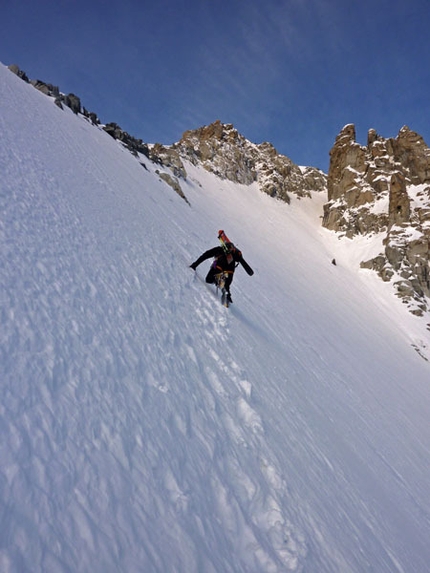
(147, 428)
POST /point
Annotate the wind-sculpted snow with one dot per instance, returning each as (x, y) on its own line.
(144, 427)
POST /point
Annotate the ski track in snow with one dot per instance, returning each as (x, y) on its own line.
(147, 428)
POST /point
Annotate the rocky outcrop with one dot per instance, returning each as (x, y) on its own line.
(72, 101)
(69, 100)
(172, 182)
(18, 72)
(135, 146)
(47, 89)
(220, 149)
(412, 152)
(384, 188)
(168, 157)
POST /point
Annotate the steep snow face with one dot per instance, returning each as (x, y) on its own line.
(147, 428)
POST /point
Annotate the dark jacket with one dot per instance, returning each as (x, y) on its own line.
(224, 261)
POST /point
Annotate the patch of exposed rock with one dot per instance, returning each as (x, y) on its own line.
(172, 182)
(384, 187)
(168, 157)
(69, 100)
(134, 145)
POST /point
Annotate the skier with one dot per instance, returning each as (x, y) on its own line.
(226, 259)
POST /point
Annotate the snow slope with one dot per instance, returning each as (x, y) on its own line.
(147, 428)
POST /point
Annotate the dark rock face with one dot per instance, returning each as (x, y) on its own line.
(15, 70)
(47, 89)
(71, 100)
(134, 145)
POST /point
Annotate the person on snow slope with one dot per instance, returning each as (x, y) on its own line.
(226, 258)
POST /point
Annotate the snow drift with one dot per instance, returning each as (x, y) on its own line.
(147, 428)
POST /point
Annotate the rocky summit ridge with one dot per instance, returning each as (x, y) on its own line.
(381, 190)
(220, 149)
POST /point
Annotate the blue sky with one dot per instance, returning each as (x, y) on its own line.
(292, 72)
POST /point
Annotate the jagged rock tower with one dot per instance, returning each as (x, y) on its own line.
(384, 188)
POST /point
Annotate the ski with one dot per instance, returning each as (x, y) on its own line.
(223, 239)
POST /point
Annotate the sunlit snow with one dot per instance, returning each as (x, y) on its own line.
(146, 428)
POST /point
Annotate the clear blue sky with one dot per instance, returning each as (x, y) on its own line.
(292, 72)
